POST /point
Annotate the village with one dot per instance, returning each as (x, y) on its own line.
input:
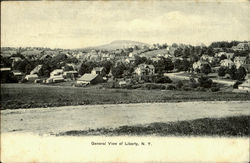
(178, 66)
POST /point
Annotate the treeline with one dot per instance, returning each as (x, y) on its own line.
(225, 44)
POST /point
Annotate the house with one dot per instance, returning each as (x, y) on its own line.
(219, 54)
(144, 69)
(56, 76)
(122, 83)
(56, 72)
(245, 86)
(132, 54)
(57, 79)
(15, 60)
(36, 69)
(45, 56)
(70, 74)
(227, 63)
(242, 46)
(98, 71)
(168, 56)
(31, 77)
(208, 58)
(5, 73)
(199, 64)
(90, 79)
(155, 59)
(17, 74)
(5, 69)
(238, 61)
(130, 60)
(229, 55)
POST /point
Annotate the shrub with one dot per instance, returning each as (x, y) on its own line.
(205, 82)
(186, 88)
(155, 86)
(236, 84)
(222, 71)
(215, 89)
(193, 83)
(24, 80)
(206, 69)
(241, 73)
(171, 87)
(136, 86)
(179, 84)
(200, 89)
(163, 79)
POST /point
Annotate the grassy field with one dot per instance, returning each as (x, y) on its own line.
(15, 96)
(229, 126)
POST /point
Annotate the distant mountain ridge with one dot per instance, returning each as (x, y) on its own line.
(120, 44)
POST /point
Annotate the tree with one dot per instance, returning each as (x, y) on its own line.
(206, 69)
(86, 67)
(107, 66)
(241, 73)
(140, 60)
(222, 57)
(232, 72)
(222, 71)
(205, 82)
(182, 65)
(68, 68)
(118, 70)
(163, 65)
(163, 79)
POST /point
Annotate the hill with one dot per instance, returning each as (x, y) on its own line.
(120, 44)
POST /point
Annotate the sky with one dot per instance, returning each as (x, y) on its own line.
(79, 24)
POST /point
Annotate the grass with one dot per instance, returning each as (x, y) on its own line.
(14, 96)
(229, 126)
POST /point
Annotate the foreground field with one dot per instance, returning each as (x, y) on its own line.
(56, 120)
(14, 96)
(229, 126)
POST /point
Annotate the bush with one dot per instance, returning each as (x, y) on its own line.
(236, 84)
(171, 87)
(179, 84)
(136, 86)
(24, 80)
(193, 83)
(186, 88)
(241, 73)
(206, 69)
(205, 82)
(163, 79)
(200, 89)
(155, 86)
(215, 89)
(222, 71)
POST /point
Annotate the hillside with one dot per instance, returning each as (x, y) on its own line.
(120, 44)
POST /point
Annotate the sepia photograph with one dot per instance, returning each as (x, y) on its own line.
(125, 81)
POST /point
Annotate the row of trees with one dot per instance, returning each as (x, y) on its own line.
(235, 74)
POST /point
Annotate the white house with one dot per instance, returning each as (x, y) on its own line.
(31, 77)
(56, 72)
(144, 69)
(36, 69)
(239, 61)
(227, 63)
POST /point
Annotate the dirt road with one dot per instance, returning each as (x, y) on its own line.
(60, 119)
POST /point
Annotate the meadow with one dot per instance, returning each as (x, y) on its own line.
(14, 96)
